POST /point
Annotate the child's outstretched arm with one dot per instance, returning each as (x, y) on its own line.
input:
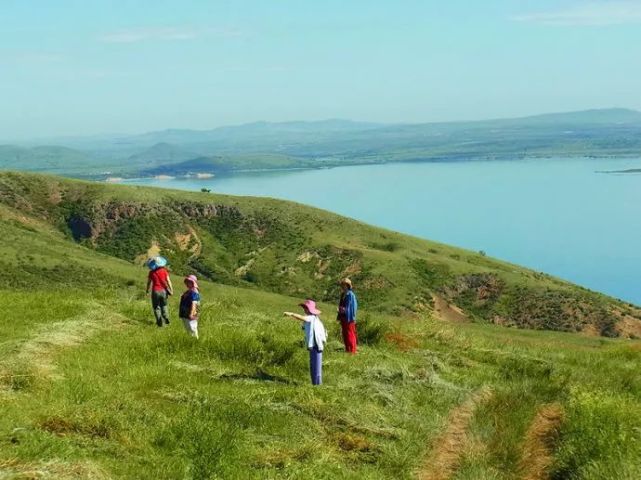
(295, 316)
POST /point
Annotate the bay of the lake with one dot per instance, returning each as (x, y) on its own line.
(555, 215)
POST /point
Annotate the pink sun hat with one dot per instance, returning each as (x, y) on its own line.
(193, 279)
(310, 305)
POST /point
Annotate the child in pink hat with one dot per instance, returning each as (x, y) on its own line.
(190, 305)
(315, 338)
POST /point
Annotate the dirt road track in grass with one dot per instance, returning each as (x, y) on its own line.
(11, 469)
(540, 442)
(444, 458)
(35, 354)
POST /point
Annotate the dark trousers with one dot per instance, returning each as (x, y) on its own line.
(316, 365)
(159, 304)
(348, 329)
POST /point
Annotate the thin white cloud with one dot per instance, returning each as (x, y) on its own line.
(136, 35)
(588, 14)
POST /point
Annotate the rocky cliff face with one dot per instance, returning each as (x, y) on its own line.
(93, 221)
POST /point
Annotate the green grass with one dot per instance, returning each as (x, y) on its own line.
(140, 402)
(90, 388)
(292, 249)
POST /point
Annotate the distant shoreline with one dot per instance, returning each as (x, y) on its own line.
(448, 159)
(621, 172)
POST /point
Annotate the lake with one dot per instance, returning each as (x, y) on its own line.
(554, 215)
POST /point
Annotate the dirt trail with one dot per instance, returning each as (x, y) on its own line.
(447, 450)
(54, 469)
(448, 312)
(36, 353)
(189, 241)
(629, 327)
(152, 251)
(540, 443)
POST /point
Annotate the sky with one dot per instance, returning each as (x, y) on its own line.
(77, 67)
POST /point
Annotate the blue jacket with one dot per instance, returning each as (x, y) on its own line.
(348, 307)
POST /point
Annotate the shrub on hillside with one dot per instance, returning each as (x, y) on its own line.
(386, 247)
(371, 332)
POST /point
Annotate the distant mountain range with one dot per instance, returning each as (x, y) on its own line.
(604, 132)
(257, 131)
(42, 158)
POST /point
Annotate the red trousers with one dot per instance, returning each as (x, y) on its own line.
(349, 335)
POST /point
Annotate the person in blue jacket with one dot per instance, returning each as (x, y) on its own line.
(347, 308)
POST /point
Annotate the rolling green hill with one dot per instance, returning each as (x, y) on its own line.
(90, 389)
(44, 158)
(296, 250)
(160, 154)
(225, 164)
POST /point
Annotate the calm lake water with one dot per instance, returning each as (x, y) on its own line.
(553, 215)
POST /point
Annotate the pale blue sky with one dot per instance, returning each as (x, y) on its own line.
(82, 67)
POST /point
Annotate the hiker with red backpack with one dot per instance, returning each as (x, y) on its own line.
(159, 283)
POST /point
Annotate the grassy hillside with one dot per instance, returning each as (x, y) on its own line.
(225, 164)
(91, 389)
(159, 154)
(54, 159)
(296, 250)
